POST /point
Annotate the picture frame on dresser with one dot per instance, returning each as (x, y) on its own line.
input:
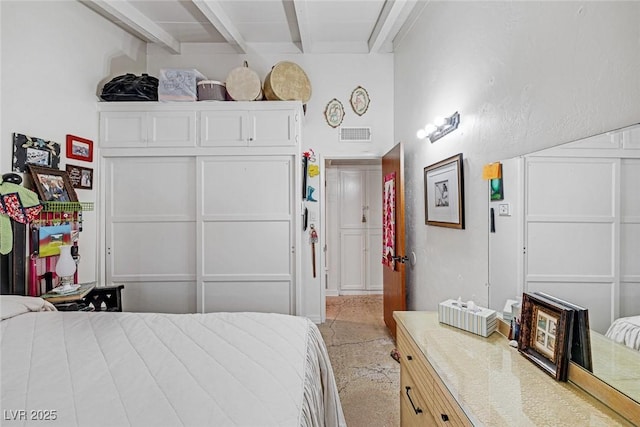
(580, 333)
(546, 334)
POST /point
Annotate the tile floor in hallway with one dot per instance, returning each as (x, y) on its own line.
(359, 347)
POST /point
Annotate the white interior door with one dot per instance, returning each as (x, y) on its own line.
(359, 228)
(246, 233)
(571, 233)
(150, 243)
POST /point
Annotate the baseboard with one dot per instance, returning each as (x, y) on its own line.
(331, 293)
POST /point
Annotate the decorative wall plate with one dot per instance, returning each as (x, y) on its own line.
(334, 113)
(360, 100)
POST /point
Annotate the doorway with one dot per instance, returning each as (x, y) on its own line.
(353, 230)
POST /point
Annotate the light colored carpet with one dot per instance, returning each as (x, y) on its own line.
(359, 345)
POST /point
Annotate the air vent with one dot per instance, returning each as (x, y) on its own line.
(355, 134)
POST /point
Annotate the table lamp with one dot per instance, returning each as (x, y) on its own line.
(66, 268)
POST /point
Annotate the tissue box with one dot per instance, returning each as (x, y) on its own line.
(480, 322)
(177, 84)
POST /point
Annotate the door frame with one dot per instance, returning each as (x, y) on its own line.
(322, 161)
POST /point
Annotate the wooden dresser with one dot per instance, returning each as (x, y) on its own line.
(449, 377)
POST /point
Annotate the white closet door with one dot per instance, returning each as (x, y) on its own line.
(570, 232)
(246, 235)
(151, 230)
(360, 229)
(630, 235)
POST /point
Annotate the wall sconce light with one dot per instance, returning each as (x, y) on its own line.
(440, 127)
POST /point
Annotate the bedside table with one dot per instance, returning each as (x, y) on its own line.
(105, 298)
(89, 298)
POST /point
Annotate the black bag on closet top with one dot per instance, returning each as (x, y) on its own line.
(130, 87)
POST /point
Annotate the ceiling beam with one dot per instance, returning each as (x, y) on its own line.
(303, 28)
(135, 22)
(391, 19)
(214, 12)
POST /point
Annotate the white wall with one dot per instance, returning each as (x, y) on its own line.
(524, 76)
(55, 57)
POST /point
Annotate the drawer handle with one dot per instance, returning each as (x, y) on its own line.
(444, 417)
(417, 410)
(409, 357)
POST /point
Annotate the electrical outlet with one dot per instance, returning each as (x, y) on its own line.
(504, 209)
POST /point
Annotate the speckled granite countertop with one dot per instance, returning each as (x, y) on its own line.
(495, 385)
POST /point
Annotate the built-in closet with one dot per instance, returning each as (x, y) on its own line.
(354, 221)
(202, 205)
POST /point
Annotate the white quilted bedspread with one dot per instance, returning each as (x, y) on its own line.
(626, 330)
(146, 369)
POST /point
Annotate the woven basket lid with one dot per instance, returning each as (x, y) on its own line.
(287, 81)
(243, 84)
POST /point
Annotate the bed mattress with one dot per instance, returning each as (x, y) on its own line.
(146, 369)
(626, 330)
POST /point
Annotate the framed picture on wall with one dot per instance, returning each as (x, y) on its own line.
(444, 193)
(29, 150)
(52, 185)
(545, 334)
(79, 148)
(80, 177)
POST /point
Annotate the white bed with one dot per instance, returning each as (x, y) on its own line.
(626, 330)
(148, 369)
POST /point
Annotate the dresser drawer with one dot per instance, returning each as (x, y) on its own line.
(412, 360)
(415, 368)
(445, 409)
(414, 410)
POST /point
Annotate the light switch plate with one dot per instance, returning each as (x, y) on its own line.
(504, 209)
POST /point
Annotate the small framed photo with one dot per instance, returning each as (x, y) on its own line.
(545, 334)
(52, 185)
(444, 193)
(80, 177)
(29, 150)
(79, 148)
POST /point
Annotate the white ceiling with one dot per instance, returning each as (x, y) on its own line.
(263, 26)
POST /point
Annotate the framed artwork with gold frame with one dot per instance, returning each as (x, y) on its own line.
(545, 334)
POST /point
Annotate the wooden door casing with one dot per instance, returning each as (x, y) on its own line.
(395, 298)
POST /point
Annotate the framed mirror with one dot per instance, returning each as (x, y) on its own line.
(569, 226)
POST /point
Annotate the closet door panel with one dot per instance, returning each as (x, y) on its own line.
(352, 271)
(154, 186)
(352, 199)
(123, 129)
(162, 250)
(223, 128)
(150, 219)
(172, 129)
(630, 220)
(159, 297)
(246, 248)
(247, 187)
(267, 297)
(272, 128)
